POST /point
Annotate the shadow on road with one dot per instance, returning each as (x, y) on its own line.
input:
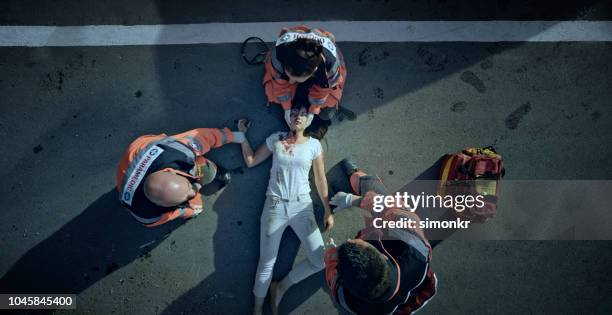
(101, 239)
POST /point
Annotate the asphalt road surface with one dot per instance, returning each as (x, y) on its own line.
(68, 113)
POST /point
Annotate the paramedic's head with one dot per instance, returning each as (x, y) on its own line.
(167, 189)
(363, 270)
(300, 59)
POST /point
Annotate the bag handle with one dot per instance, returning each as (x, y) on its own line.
(260, 57)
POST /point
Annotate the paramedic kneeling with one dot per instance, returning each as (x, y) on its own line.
(160, 176)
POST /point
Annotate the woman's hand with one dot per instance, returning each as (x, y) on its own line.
(251, 158)
(329, 221)
(240, 135)
(243, 125)
(321, 184)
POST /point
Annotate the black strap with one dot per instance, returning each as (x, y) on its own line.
(258, 58)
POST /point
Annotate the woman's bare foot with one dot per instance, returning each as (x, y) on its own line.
(258, 306)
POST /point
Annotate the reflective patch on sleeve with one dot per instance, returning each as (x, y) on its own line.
(316, 101)
(284, 98)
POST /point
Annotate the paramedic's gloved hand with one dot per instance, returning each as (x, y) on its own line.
(341, 200)
(330, 244)
(239, 137)
(197, 210)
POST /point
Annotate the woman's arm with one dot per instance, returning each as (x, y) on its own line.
(321, 183)
(252, 159)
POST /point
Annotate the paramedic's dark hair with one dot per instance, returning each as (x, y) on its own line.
(363, 271)
(301, 57)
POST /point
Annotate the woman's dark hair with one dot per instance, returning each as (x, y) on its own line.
(363, 271)
(318, 128)
(300, 57)
(299, 106)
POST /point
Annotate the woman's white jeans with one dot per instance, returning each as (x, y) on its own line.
(277, 215)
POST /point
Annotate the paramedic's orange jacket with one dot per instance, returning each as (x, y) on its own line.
(152, 153)
(328, 94)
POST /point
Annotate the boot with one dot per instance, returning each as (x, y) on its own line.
(344, 112)
(349, 166)
(223, 176)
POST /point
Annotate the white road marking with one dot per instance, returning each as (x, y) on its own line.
(346, 31)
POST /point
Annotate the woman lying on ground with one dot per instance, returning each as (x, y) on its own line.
(288, 203)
